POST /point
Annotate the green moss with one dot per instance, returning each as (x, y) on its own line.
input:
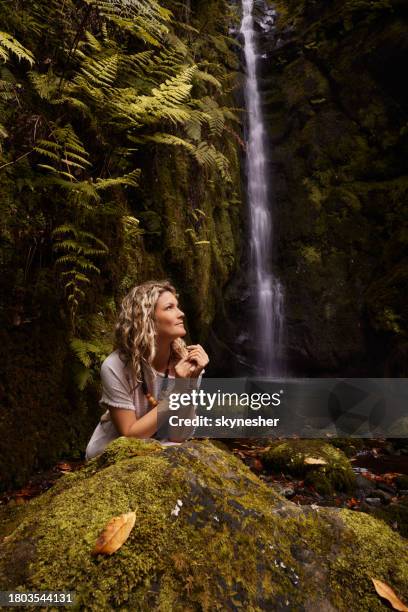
(395, 515)
(349, 446)
(311, 255)
(233, 542)
(290, 456)
(372, 549)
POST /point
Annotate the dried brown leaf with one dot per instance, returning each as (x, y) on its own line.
(114, 534)
(315, 461)
(385, 591)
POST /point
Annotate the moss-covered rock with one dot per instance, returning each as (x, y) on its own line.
(208, 536)
(395, 515)
(349, 446)
(292, 456)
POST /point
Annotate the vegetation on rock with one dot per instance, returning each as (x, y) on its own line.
(330, 471)
(232, 543)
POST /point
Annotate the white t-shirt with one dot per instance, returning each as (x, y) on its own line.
(118, 391)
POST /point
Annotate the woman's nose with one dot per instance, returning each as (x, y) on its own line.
(180, 313)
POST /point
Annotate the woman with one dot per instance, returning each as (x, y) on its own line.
(150, 353)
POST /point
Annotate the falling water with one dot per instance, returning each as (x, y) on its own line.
(269, 292)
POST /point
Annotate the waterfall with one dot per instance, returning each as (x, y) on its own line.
(269, 291)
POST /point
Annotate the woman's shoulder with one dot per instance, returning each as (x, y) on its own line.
(114, 362)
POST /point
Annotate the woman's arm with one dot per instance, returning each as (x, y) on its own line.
(128, 425)
(146, 426)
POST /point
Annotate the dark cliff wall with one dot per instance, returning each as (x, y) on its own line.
(331, 77)
(335, 104)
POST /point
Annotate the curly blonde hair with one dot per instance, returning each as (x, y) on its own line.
(135, 330)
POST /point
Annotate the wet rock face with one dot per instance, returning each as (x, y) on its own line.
(208, 535)
(333, 101)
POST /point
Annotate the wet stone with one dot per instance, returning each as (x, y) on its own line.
(373, 501)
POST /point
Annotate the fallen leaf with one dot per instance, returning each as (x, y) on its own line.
(385, 591)
(315, 461)
(115, 534)
(63, 466)
(257, 465)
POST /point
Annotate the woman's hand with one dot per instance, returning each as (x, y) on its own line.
(193, 364)
(183, 368)
(198, 357)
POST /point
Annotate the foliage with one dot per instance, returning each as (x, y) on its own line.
(8, 45)
(90, 355)
(88, 90)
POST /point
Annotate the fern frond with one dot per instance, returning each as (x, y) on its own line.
(101, 72)
(92, 42)
(67, 228)
(208, 78)
(65, 150)
(207, 155)
(7, 86)
(10, 44)
(47, 167)
(131, 179)
(176, 89)
(86, 265)
(46, 85)
(68, 245)
(167, 139)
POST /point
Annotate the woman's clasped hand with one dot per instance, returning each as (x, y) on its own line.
(193, 363)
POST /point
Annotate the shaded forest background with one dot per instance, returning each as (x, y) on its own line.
(121, 138)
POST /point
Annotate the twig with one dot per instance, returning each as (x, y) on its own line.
(16, 160)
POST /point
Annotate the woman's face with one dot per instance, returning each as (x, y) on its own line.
(168, 317)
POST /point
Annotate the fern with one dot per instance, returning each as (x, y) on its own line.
(79, 248)
(208, 156)
(8, 44)
(131, 179)
(100, 72)
(46, 85)
(90, 355)
(120, 77)
(208, 78)
(7, 86)
(65, 150)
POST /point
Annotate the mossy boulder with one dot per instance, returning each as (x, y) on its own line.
(209, 535)
(395, 515)
(302, 457)
(349, 446)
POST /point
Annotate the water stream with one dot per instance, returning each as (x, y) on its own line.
(269, 292)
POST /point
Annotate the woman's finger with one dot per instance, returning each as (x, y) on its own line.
(191, 347)
(183, 360)
(199, 357)
(199, 352)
